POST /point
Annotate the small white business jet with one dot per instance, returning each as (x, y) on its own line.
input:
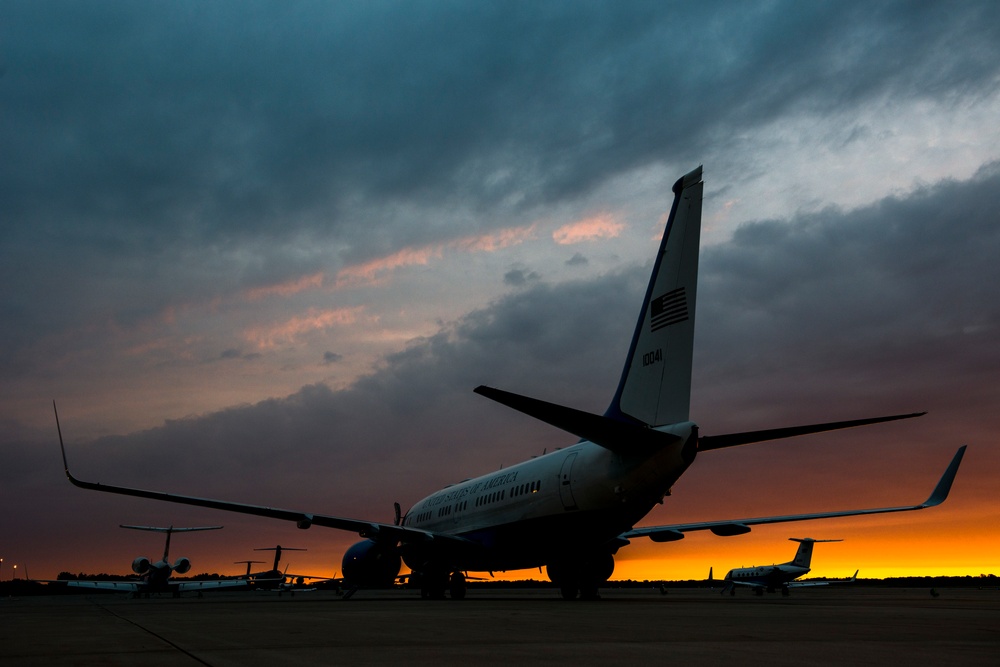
(769, 578)
(154, 577)
(572, 509)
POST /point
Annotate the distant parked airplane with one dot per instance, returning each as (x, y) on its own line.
(571, 509)
(284, 582)
(155, 576)
(772, 577)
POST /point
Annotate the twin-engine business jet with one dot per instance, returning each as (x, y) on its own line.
(155, 576)
(772, 577)
(572, 509)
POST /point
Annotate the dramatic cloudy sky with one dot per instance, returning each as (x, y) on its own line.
(264, 251)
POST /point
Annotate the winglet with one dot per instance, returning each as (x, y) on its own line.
(940, 491)
(62, 447)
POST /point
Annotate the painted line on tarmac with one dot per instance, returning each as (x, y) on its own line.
(151, 632)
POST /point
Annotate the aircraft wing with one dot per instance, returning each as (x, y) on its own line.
(740, 526)
(131, 586)
(748, 584)
(135, 586)
(368, 529)
(824, 582)
(213, 584)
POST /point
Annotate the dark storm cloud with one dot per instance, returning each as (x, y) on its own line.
(520, 277)
(892, 306)
(174, 119)
(892, 299)
(825, 316)
(156, 151)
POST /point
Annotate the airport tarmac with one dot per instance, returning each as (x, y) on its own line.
(858, 626)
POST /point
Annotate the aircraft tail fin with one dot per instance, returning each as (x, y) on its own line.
(655, 385)
(803, 556)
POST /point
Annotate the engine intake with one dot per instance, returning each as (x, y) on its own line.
(369, 564)
(182, 566)
(140, 565)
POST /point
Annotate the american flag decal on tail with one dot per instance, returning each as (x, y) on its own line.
(668, 309)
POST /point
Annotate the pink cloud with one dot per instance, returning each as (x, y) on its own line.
(602, 226)
(373, 271)
(268, 337)
(312, 281)
(504, 238)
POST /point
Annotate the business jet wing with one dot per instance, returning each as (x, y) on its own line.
(139, 586)
(212, 584)
(740, 526)
(130, 586)
(367, 529)
(822, 582)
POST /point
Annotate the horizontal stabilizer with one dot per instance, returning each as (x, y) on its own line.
(618, 436)
(171, 529)
(708, 442)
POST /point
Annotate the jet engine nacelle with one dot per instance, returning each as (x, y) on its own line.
(182, 566)
(140, 565)
(369, 564)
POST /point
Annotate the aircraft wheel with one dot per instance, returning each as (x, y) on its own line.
(568, 591)
(784, 591)
(433, 585)
(457, 586)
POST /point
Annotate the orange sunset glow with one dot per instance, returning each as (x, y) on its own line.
(266, 257)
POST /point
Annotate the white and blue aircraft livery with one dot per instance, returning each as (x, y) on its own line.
(572, 509)
(772, 577)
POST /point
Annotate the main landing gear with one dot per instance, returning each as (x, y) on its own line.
(581, 577)
(434, 584)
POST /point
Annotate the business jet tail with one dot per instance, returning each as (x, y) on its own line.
(803, 555)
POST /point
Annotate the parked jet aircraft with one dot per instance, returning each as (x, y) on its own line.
(274, 573)
(572, 509)
(155, 576)
(771, 577)
(284, 582)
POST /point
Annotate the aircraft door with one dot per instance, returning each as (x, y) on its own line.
(565, 482)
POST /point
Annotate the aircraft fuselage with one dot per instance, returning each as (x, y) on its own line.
(770, 576)
(576, 498)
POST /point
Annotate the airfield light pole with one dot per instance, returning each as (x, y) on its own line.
(1, 569)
